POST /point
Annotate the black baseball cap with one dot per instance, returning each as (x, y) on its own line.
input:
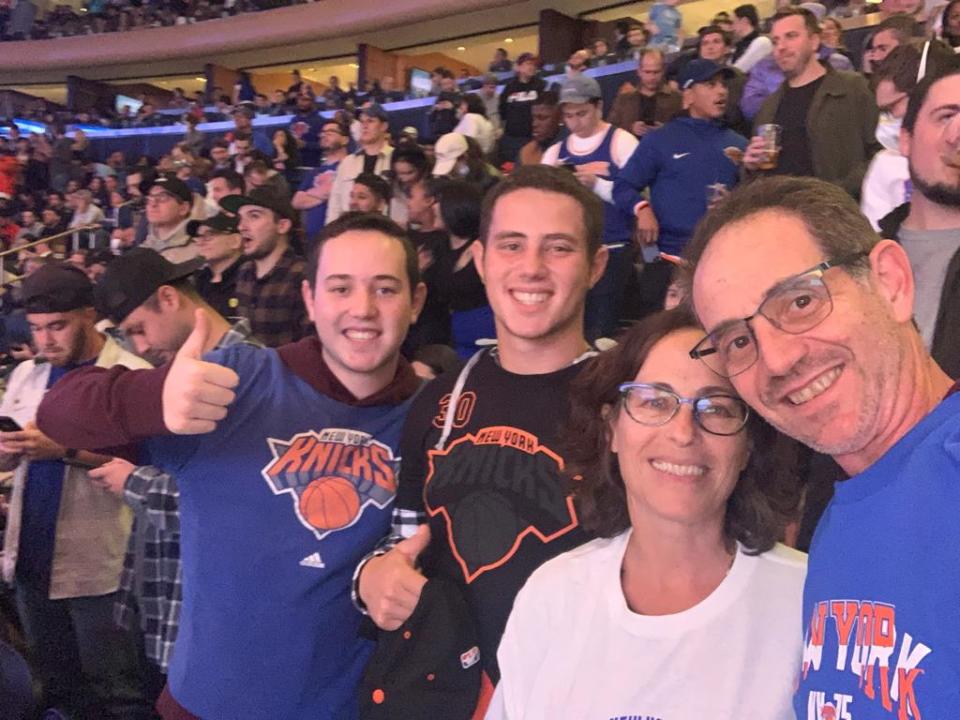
(263, 197)
(375, 110)
(133, 277)
(245, 108)
(171, 184)
(55, 289)
(221, 222)
(430, 666)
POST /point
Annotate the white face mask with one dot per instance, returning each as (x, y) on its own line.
(210, 205)
(888, 131)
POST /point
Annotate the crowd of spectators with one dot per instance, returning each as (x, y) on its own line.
(20, 19)
(257, 510)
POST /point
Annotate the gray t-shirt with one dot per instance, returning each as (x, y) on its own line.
(930, 252)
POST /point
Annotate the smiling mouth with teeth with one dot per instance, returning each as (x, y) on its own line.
(678, 470)
(360, 334)
(530, 298)
(817, 387)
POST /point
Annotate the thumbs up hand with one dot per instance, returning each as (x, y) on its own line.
(196, 393)
(390, 585)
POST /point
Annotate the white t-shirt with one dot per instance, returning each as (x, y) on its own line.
(621, 148)
(884, 186)
(480, 129)
(755, 52)
(573, 649)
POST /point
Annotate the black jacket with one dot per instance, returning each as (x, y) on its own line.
(742, 44)
(946, 333)
(516, 104)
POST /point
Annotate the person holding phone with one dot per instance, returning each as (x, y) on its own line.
(65, 538)
(596, 151)
(652, 103)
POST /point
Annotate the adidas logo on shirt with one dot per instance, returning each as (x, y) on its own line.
(313, 561)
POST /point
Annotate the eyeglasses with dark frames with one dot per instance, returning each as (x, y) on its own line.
(795, 306)
(717, 413)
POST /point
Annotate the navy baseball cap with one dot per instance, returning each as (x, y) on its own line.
(700, 70)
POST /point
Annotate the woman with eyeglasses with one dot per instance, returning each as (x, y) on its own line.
(685, 607)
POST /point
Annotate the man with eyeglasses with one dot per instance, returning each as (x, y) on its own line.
(220, 245)
(169, 202)
(810, 315)
(314, 191)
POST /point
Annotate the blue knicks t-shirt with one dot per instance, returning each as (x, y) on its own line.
(882, 597)
(277, 506)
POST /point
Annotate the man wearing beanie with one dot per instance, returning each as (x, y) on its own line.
(65, 537)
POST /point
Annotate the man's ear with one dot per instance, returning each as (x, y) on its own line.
(478, 249)
(168, 298)
(306, 292)
(600, 259)
(284, 225)
(892, 276)
(419, 298)
(905, 141)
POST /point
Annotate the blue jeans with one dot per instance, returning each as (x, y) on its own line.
(87, 665)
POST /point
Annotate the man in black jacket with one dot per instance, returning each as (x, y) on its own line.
(516, 102)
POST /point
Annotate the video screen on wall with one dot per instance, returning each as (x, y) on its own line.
(419, 82)
(126, 100)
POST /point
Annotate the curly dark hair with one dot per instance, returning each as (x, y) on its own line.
(765, 497)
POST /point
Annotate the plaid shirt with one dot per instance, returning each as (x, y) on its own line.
(273, 303)
(404, 525)
(151, 582)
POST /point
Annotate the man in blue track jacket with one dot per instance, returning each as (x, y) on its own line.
(679, 163)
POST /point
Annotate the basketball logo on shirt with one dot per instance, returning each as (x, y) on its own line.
(494, 488)
(332, 476)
